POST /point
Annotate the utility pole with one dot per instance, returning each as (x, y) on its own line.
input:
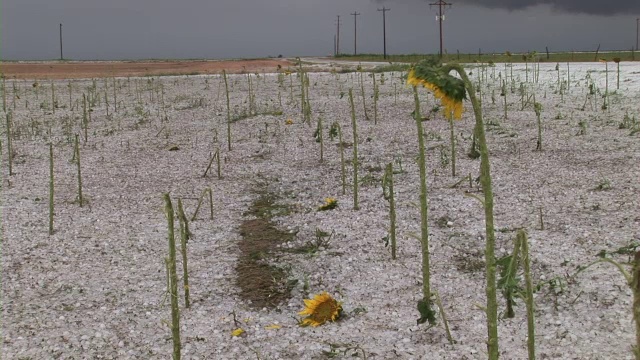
(440, 17)
(61, 57)
(355, 32)
(338, 37)
(637, 21)
(384, 30)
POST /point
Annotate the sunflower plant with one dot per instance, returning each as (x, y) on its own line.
(452, 91)
(322, 308)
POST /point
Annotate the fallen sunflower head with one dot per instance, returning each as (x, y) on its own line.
(320, 309)
(329, 203)
(448, 89)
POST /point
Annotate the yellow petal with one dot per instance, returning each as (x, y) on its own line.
(237, 332)
(273, 327)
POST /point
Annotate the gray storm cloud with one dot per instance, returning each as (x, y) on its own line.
(591, 7)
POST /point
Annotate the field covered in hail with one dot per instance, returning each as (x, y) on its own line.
(96, 288)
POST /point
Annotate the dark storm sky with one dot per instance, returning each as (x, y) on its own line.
(133, 29)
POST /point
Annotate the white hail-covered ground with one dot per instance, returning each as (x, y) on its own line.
(96, 288)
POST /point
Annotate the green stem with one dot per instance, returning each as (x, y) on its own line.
(453, 146)
(485, 180)
(424, 225)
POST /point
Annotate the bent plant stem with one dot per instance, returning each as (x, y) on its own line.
(204, 192)
(424, 225)
(485, 180)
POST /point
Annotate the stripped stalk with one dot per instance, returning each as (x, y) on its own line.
(77, 156)
(355, 152)
(387, 190)
(226, 89)
(51, 189)
(70, 99)
(173, 291)
(53, 98)
(185, 234)
(9, 144)
(531, 341)
(85, 119)
(320, 138)
(4, 93)
(343, 171)
(509, 280)
(635, 287)
(364, 105)
(538, 109)
(376, 94)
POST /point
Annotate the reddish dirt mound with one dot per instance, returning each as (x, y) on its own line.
(95, 69)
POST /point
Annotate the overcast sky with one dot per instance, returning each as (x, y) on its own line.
(134, 29)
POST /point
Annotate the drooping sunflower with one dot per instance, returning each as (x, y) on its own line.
(320, 309)
(448, 89)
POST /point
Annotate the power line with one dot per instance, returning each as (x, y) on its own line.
(384, 30)
(338, 36)
(61, 57)
(637, 21)
(355, 32)
(440, 17)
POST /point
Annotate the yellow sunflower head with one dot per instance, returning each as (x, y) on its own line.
(446, 88)
(320, 309)
(329, 203)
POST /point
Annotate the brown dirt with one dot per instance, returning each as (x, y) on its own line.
(263, 284)
(97, 69)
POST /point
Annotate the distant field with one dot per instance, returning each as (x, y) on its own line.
(503, 57)
(98, 69)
